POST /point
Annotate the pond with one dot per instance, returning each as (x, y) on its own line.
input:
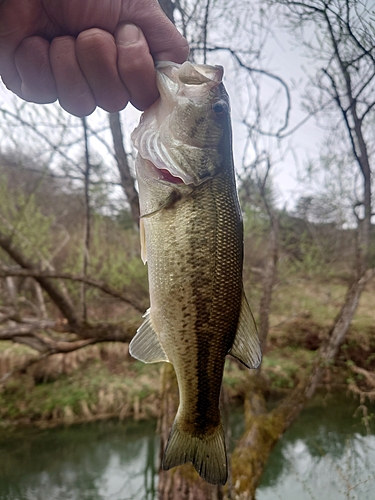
(326, 454)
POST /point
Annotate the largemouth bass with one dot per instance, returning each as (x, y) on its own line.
(192, 239)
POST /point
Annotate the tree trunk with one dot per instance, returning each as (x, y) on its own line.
(12, 292)
(58, 298)
(41, 303)
(127, 181)
(168, 7)
(87, 221)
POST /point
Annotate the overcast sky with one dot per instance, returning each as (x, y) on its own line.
(286, 62)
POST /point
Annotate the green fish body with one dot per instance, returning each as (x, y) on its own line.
(192, 239)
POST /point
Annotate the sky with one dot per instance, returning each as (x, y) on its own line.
(285, 61)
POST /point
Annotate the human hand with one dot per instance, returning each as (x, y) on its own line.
(86, 53)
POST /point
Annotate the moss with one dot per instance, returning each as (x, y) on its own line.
(248, 459)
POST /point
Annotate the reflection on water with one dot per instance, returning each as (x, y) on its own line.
(326, 455)
(97, 461)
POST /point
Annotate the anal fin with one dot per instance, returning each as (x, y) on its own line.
(246, 345)
(146, 346)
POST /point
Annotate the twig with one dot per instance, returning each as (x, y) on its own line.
(86, 237)
(101, 285)
(265, 73)
(56, 348)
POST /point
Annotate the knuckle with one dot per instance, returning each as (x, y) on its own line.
(94, 39)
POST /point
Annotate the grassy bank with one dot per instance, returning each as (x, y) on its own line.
(104, 381)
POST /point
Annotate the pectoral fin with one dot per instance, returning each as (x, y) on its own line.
(142, 235)
(146, 346)
(246, 345)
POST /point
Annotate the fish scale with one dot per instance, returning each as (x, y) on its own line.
(192, 239)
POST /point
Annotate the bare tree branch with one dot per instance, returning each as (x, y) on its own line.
(50, 288)
(251, 69)
(58, 347)
(101, 285)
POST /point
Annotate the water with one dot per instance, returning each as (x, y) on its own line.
(326, 455)
(96, 461)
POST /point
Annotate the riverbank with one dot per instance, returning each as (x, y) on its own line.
(103, 381)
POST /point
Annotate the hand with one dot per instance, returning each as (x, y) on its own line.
(86, 53)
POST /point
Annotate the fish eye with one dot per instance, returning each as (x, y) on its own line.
(219, 107)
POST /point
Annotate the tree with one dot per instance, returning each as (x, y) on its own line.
(343, 37)
(34, 229)
(343, 44)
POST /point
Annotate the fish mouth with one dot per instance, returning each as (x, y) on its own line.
(185, 78)
(192, 83)
(190, 74)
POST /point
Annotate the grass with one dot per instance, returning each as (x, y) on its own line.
(93, 389)
(6, 346)
(321, 301)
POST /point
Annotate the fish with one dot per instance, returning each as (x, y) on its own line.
(191, 232)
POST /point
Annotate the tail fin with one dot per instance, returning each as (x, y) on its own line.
(207, 453)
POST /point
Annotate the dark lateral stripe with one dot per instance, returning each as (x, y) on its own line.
(217, 317)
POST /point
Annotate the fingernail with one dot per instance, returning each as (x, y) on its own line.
(127, 34)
